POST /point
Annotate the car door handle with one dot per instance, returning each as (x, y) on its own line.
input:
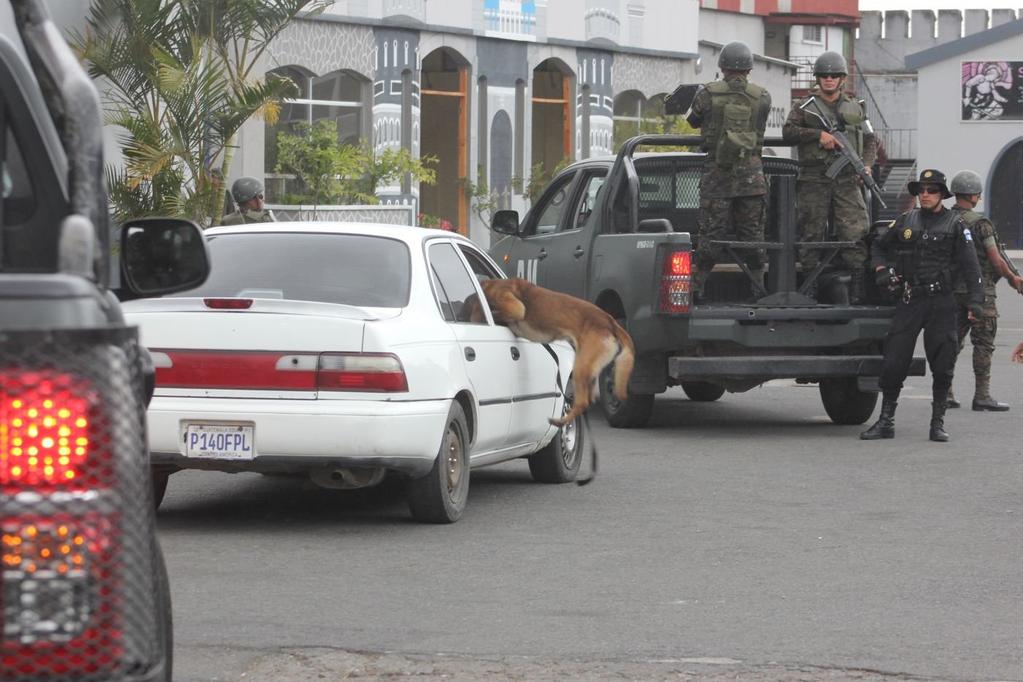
(470, 353)
(579, 251)
(514, 353)
(542, 254)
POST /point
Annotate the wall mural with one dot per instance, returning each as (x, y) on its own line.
(992, 91)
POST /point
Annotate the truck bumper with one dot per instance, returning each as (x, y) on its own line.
(782, 367)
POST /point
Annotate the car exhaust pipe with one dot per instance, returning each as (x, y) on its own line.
(348, 478)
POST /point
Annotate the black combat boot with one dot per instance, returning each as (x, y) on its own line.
(884, 427)
(938, 421)
(982, 400)
(951, 402)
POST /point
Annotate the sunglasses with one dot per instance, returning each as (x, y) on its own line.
(930, 190)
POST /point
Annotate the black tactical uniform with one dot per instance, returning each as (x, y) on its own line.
(920, 253)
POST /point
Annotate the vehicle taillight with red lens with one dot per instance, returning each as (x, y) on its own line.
(373, 372)
(49, 433)
(60, 603)
(675, 289)
(228, 303)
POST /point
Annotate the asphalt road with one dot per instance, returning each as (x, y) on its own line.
(744, 539)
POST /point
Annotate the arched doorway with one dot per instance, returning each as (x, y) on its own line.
(501, 158)
(1006, 202)
(552, 115)
(444, 118)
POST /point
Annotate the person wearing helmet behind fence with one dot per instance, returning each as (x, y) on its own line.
(819, 197)
(914, 259)
(248, 198)
(967, 187)
(731, 114)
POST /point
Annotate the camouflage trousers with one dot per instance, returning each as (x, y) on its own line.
(841, 201)
(729, 218)
(982, 337)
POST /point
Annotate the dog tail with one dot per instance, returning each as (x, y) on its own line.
(624, 361)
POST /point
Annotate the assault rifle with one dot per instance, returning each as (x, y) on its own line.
(846, 155)
(1008, 261)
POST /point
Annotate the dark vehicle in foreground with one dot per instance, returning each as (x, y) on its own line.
(84, 593)
(616, 232)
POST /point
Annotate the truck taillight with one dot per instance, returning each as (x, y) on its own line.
(60, 614)
(675, 291)
(46, 424)
(59, 596)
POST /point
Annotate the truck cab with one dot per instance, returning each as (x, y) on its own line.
(84, 592)
(618, 232)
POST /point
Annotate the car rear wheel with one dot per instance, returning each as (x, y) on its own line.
(559, 460)
(702, 391)
(630, 413)
(440, 496)
(844, 402)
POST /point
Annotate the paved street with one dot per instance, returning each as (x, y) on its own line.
(744, 539)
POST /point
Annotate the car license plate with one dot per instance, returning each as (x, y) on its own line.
(220, 441)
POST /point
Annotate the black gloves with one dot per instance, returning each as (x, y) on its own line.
(887, 279)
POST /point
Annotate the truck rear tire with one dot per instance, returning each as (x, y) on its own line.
(845, 403)
(702, 391)
(633, 413)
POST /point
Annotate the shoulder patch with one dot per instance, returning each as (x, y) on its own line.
(967, 235)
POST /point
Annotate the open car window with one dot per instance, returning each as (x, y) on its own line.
(454, 287)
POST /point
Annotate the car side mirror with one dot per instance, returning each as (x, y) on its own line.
(655, 225)
(162, 256)
(505, 222)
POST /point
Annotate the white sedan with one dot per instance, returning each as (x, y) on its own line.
(345, 351)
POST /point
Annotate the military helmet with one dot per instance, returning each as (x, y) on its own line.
(245, 189)
(966, 182)
(735, 56)
(830, 62)
(930, 177)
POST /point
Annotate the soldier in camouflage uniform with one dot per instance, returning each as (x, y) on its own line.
(731, 114)
(248, 196)
(818, 196)
(967, 187)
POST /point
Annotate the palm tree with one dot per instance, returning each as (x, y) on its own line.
(180, 85)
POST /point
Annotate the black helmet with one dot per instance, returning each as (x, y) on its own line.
(830, 62)
(967, 182)
(735, 57)
(245, 189)
(930, 177)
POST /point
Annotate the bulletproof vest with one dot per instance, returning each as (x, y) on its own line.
(244, 217)
(925, 248)
(730, 136)
(848, 117)
(987, 270)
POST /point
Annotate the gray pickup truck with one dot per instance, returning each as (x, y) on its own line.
(616, 232)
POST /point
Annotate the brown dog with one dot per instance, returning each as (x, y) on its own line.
(543, 316)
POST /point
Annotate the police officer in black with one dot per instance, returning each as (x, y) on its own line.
(915, 259)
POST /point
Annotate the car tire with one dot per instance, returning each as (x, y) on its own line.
(845, 403)
(559, 460)
(160, 479)
(633, 412)
(440, 496)
(702, 391)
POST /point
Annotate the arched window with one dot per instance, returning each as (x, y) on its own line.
(341, 96)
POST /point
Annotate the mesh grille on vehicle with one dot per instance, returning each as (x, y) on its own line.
(77, 552)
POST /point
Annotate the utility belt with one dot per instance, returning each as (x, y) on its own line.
(911, 290)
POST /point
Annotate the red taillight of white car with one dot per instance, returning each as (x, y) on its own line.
(275, 370)
(59, 583)
(675, 291)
